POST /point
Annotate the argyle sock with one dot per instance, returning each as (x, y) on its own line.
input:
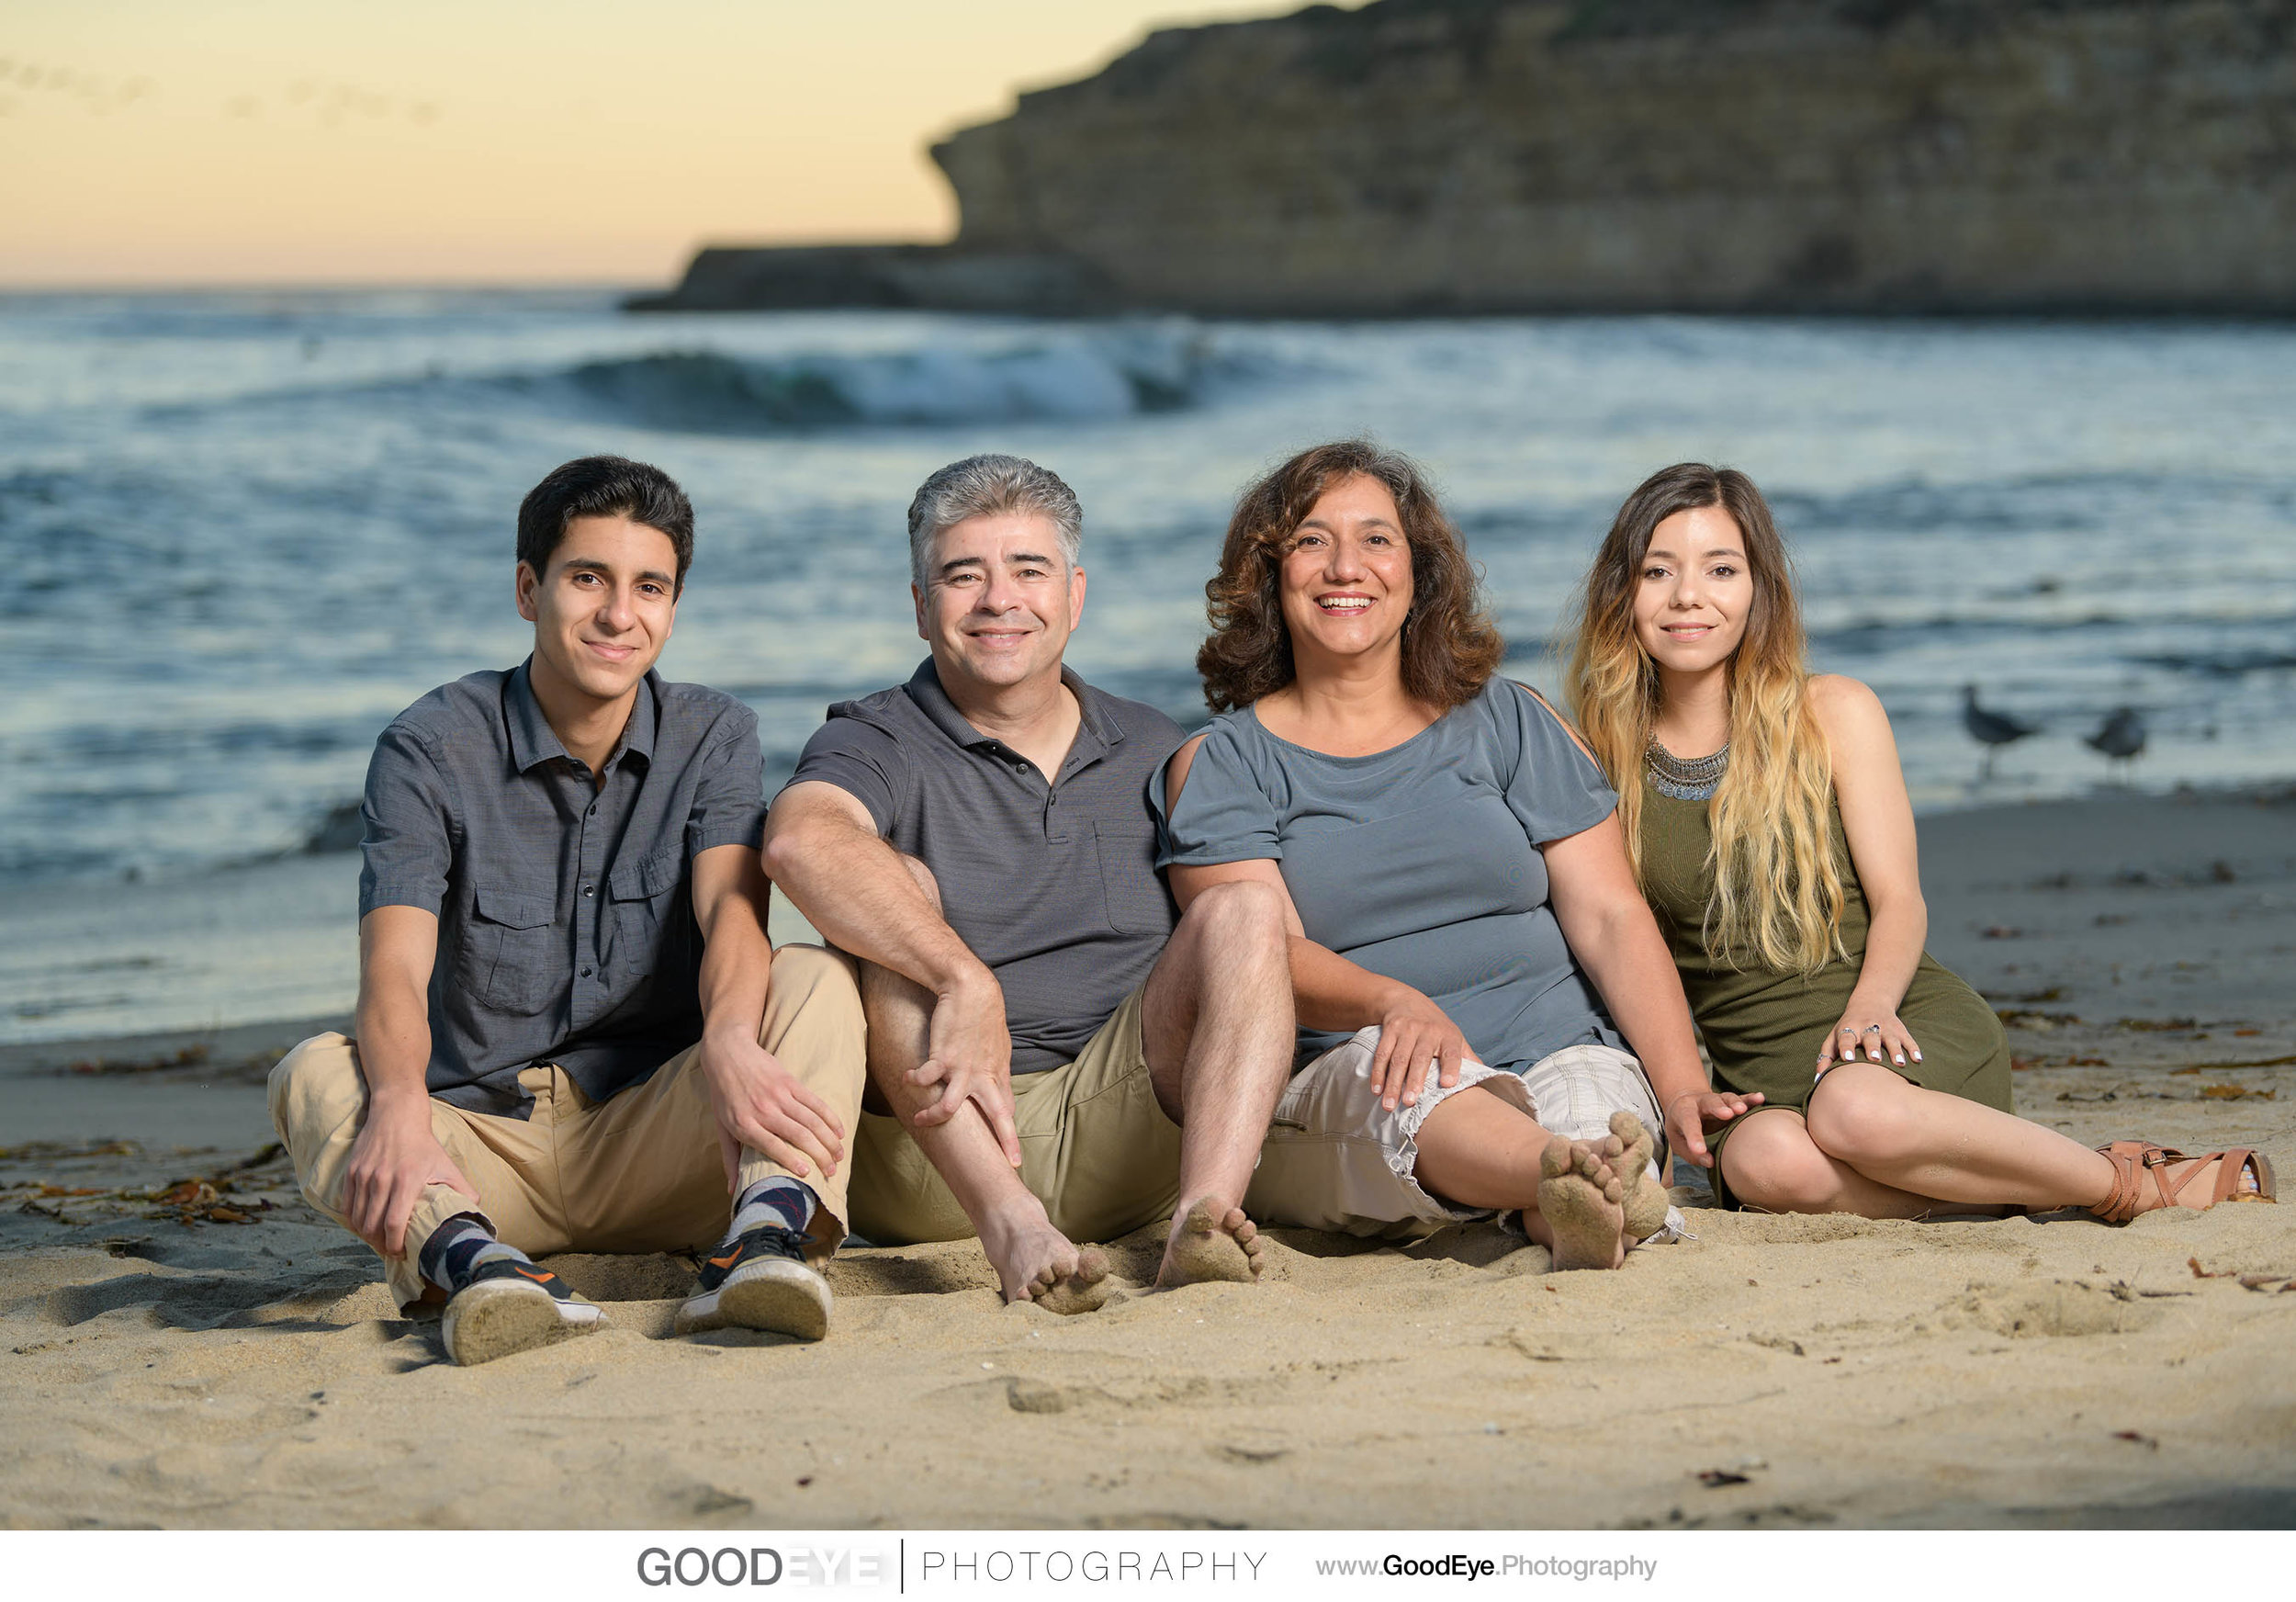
(456, 1249)
(780, 1201)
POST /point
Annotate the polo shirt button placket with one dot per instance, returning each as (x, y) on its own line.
(586, 914)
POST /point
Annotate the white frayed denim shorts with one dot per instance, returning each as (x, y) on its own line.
(1335, 1158)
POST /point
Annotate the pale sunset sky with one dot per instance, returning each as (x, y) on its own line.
(449, 141)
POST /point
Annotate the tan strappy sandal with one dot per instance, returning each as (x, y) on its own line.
(2132, 1159)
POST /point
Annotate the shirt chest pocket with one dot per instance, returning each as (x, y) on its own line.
(1137, 901)
(646, 923)
(511, 953)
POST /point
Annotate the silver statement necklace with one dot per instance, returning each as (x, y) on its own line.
(1694, 780)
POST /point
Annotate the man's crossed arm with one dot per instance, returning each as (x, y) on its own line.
(822, 848)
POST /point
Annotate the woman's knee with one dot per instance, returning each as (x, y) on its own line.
(1860, 1114)
(1770, 1162)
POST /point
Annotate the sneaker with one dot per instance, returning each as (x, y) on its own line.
(509, 1306)
(762, 1280)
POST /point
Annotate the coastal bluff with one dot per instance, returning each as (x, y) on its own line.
(1457, 157)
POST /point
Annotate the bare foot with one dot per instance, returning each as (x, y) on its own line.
(1206, 1244)
(1580, 1196)
(1035, 1262)
(1645, 1202)
(1085, 1290)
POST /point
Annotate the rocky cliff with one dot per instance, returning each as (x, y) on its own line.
(1450, 156)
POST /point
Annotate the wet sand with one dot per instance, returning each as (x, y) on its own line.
(213, 1355)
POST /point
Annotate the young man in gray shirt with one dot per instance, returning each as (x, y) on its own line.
(1054, 1057)
(571, 1032)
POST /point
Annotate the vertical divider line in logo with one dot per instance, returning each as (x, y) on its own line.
(901, 1586)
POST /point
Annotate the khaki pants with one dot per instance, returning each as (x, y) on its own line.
(638, 1172)
(1095, 1147)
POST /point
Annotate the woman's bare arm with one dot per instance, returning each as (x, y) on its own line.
(1878, 819)
(1613, 936)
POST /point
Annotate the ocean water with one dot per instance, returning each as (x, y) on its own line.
(246, 529)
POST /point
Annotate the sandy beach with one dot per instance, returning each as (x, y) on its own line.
(189, 1346)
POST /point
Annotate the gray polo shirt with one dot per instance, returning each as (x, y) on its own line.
(566, 909)
(1053, 886)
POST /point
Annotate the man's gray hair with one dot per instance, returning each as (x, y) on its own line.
(989, 486)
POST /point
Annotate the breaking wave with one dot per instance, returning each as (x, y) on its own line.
(1105, 378)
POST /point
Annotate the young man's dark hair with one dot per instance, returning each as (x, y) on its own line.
(604, 487)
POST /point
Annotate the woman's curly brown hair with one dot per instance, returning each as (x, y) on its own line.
(1450, 649)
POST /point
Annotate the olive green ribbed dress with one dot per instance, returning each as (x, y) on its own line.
(1764, 1028)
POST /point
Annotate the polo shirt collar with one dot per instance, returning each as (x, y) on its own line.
(534, 742)
(925, 689)
(637, 735)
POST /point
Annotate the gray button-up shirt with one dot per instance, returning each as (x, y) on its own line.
(1053, 886)
(566, 907)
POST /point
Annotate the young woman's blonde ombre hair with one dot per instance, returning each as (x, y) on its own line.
(1777, 893)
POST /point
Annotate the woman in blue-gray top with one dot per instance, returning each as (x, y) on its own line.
(1459, 893)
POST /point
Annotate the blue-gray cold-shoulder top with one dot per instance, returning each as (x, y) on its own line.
(1419, 862)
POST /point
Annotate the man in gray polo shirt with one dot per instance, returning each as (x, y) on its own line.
(571, 1034)
(1054, 1055)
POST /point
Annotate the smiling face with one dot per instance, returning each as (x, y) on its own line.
(1346, 579)
(999, 602)
(603, 608)
(1694, 591)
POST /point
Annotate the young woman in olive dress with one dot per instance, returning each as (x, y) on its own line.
(1769, 826)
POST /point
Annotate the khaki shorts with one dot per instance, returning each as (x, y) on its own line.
(1095, 1147)
(1335, 1158)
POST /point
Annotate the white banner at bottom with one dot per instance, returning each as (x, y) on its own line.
(576, 1565)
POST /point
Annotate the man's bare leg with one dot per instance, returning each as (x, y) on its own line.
(1217, 1021)
(1034, 1261)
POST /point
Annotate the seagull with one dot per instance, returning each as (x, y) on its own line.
(2120, 739)
(1992, 729)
